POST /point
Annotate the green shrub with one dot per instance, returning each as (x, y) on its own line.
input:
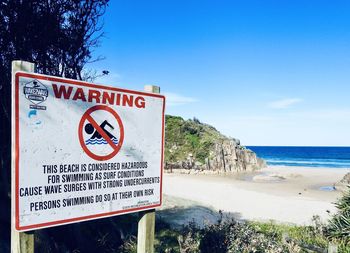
(228, 237)
(339, 225)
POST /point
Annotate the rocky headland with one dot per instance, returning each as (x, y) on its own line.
(195, 147)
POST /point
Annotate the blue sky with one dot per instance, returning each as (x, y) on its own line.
(266, 72)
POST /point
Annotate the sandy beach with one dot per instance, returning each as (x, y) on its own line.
(282, 194)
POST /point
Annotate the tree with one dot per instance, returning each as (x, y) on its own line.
(58, 36)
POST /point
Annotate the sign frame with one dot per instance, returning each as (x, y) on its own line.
(16, 150)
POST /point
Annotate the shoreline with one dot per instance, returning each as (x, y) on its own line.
(286, 194)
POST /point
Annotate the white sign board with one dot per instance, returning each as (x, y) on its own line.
(83, 151)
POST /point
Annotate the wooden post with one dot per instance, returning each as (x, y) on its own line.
(21, 242)
(285, 237)
(152, 88)
(146, 226)
(145, 231)
(332, 248)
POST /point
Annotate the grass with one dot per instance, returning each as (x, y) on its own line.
(308, 235)
(315, 236)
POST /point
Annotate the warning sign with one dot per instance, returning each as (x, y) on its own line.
(83, 151)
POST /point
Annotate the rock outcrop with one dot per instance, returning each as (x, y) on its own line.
(193, 147)
(346, 179)
(343, 184)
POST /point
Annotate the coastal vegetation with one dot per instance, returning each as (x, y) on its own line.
(118, 234)
(339, 226)
(183, 137)
(251, 236)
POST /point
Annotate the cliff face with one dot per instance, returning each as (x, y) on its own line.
(192, 146)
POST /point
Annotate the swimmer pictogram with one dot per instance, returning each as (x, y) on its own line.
(97, 138)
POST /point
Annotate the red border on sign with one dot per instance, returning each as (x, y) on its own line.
(17, 153)
(87, 116)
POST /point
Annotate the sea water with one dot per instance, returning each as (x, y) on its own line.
(330, 157)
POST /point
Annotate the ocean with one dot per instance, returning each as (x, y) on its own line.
(330, 157)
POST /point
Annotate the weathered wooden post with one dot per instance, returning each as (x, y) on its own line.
(145, 232)
(21, 242)
(332, 248)
(146, 226)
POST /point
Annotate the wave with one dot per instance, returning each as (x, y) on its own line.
(100, 141)
(333, 157)
(307, 163)
(347, 162)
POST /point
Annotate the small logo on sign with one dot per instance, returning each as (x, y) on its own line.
(36, 93)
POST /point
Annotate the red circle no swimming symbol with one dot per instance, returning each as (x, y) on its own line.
(87, 117)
